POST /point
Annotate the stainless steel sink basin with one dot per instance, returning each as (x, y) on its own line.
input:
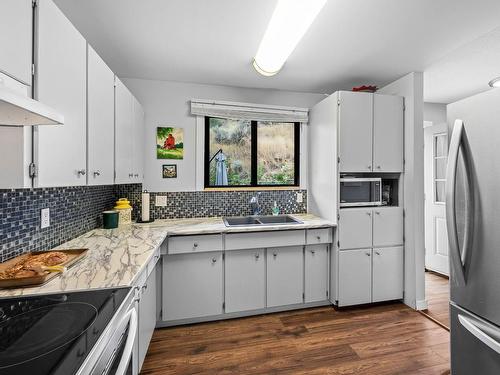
(246, 221)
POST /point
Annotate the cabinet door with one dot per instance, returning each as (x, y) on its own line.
(138, 147)
(387, 226)
(124, 110)
(387, 273)
(61, 84)
(355, 277)
(245, 280)
(355, 131)
(147, 315)
(192, 285)
(387, 133)
(15, 39)
(316, 273)
(355, 228)
(100, 121)
(285, 276)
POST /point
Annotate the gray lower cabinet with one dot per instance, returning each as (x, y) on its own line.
(192, 285)
(387, 274)
(245, 280)
(355, 277)
(387, 226)
(285, 276)
(316, 273)
(355, 231)
(147, 315)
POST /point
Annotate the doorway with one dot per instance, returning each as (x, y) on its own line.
(436, 236)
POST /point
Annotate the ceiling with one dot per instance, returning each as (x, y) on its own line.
(352, 42)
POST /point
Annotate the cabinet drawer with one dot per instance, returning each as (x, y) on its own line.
(237, 241)
(315, 236)
(191, 244)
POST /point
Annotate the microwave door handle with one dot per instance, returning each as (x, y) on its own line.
(129, 344)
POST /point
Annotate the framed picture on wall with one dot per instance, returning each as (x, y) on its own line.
(169, 171)
(169, 143)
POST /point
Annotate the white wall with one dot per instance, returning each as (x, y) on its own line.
(411, 88)
(168, 104)
(435, 113)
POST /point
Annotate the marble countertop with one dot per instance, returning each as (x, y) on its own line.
(117, 257)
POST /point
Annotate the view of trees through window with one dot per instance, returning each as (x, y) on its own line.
(251, 153)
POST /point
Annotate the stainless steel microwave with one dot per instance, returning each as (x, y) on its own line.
(356, 192)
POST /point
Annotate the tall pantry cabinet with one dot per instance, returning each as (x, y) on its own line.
(360, 135)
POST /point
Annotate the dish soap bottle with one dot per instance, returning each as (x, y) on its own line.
(275, 210)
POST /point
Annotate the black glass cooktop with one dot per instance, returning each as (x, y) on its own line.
(53, 334)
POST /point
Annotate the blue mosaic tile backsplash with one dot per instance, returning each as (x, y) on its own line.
(76, 210)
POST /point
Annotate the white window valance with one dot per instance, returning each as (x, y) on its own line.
(248, 111)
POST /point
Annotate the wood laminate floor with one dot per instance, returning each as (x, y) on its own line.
(437, 292)
(382, 340)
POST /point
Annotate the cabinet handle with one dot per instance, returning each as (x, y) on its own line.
(378, 166)
(376, 252)
(275, 255)
(195, 245)
(377, 212)
(368, 254)
(369, 167)
(214, 260)
(145, 287)
(97, 174)
(313, 252)
(257, 256)
(130, 175)
(318, 238)
(81, 172)
(369, 213)
(136, 175)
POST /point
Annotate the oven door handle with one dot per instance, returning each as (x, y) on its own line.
(131, 318)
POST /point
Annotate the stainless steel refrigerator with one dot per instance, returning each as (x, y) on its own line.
(473, 223)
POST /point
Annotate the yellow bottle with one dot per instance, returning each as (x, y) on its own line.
(124, 211)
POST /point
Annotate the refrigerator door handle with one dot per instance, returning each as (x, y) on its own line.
(479, 333)
(457, 140)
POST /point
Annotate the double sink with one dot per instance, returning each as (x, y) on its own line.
(251, 221)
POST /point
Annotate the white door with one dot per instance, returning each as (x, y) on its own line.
(355, 277)
(245, 280)
(387, 274)
(316, 273)
(355, 131)
(192, 285)
(387, 133)
(435, 160)
(100, 121)
(61, 82)
(285, 276)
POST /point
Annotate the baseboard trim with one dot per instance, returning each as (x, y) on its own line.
(421, 305)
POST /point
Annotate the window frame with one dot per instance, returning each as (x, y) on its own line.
(253, 158)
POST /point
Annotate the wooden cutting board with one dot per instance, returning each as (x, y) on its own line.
(74, 255)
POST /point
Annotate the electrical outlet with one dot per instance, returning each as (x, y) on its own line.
(161, 201)
(44, 218)
(300, 198)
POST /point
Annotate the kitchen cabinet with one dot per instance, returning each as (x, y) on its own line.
(387, 133)
(316, 273)
(387, 273)
(355, 229)
(355, 277)
(355, 131)
(245, 280)
(123, 133)
(16, 39)
(100, 121)
(138, 142)
(285, 276)
(387, 226)
(61, 80)
(192, 285)
(147, 314)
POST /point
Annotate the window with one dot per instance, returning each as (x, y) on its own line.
(440, 150)
(248, 153)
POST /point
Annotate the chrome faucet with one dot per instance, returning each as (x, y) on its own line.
(254, 204)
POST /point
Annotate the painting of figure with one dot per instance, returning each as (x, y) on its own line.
(169, 143)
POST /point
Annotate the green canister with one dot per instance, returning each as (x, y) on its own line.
(110, 219)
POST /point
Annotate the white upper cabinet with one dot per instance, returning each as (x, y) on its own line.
(124, 136)
(387, 133)
(100, 121)
(15, 39)
(138, 142)
(355, 131)
(61, 83)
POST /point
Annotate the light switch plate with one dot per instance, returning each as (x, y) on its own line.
(300, 198)
(45, 218)
(161, 201)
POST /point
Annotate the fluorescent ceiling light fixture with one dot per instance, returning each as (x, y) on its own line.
(289, 23)
(495, 82)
